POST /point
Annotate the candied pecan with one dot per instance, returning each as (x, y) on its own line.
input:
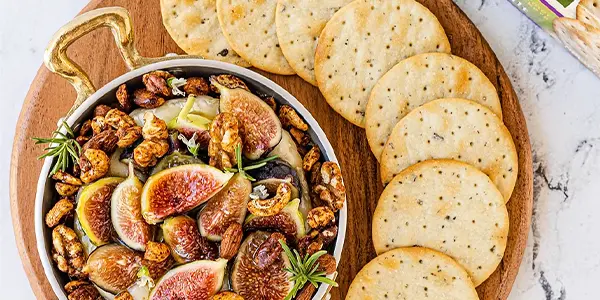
(81, 140)
(67, 251)
(196, 86)
(311, 158)
(315, 174)
(61, 210)
(290, 118)
(320, 217)
(329, 234)
(118, 119)
(71, 286)
(157, 252)
(232, 238)
(125, 295)
(154, 128)
(310, 243)
(66, 178)
(124, 99)
(272, 206)
(224, 139)
(227, 295)
(65, 189)
(147, 99)
(228, 81)
(94, 165)
(85, 292)
(271, 102)
(128, 136)
(148, 152)
(99, 124)
(330, 188)
(101, 110)
(156, 82)
(86, 128)
(300, 136)
(327, 264)
(268, 252)
(105, 141)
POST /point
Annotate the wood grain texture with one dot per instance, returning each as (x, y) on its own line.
(50, 97)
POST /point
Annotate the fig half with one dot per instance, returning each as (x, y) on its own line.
(195, 280)
(226, 207)
(93, 209)
(189, 124)
(126, 213)
(180, 189)
(252, 282)
(261, 126)
(182, 235)
(113, 267)
(289, 221)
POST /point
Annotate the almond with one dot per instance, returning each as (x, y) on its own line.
(231, 241)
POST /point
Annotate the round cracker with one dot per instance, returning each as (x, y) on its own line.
(249, 27)
(195, 28)
(365, 39)
(418, 80)
(588, 11)
(299, 23)
(412, 273)
(453, 129)
(448, 206)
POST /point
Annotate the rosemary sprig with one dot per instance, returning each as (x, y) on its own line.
(304, 270)
(256, 165)
(63, 146)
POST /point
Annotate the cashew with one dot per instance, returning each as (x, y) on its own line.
(271, 206)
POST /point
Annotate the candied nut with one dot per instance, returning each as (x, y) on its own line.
(268, 252)
(327, 264)
(128, 136)
(320, 217)
(300, 136)
(101, 110)
(118, 119)
(86, 128)
(61, 210)
(228, 81)
(158, 269)
(75, 284)
(149, 151)
(125, 295)
(105, 141)
(271, 102)
(272, 206)
(99, 124)
(76, 170)
(124, 99)
(311, 158)
(306, 292)
(227, 295)
(290, 118)
(156, 82)
(331, 187)
(310, 243)
(67, 251)
(232, 238)
(329, 234)
(85, 292)
(196, 86)
(154, 128)
(81, 140)
(94, 165)
(147, 99)
(66, 178)
(65, 189)
(224, 139)
(157, 252)
(315, 174)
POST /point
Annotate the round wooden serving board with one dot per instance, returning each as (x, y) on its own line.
(50, 97)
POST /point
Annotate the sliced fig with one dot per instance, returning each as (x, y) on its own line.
(205, 106)
(289, 221)
(175, 159)
(261, 126)
(182, 235)
(278, 169)
(93, 209)
(126, 213)
(195, 280)
(113, 267)
(252, 282)
(180, 189)
(189, 124)
(226, 207)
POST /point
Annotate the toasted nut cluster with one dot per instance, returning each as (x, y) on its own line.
(128, 136)
(124, 296)
(224, 139)
(271, 102)
(300, 137)
(148, 152)
(306, 292)
(271, 206)
(156, 82)
(330, 186)
(157, 252)
(94, 165)
(71, 286)
(228, 81)
(154, 128)
(105, 141)
(101, 110)
(146, 99)
(320, 217)
(61, 210)
(327, 264)
(232, 238)
(290, 118)
(196, 86)
(227, 295)
(118, 119)
(310, 243)
(268, 252)
(85, 292)
(68, 252)
(99, 124)
(311, 158)
(124, 99)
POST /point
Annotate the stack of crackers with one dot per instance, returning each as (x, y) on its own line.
(433, 121)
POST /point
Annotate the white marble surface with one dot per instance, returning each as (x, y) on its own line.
(561, 100)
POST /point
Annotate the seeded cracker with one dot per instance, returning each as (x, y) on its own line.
(365, 39)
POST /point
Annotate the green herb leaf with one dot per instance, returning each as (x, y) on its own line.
(242, 170)
(63, 146)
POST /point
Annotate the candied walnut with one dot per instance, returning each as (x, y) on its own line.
(290, 118)
(268, 252)
(60, 211)
(148, 152)
(310, 243)
(196, 86)
(85, 292)
(71, 286)
(66, 178)
(154, 128)
(227, 295)
(271, 102)
(224, 139)
(86, 128)
(105, 141)
(329, 234)
(156, 82)
(124, 296)
(311, 158)
(320, 217)
(94, 165)
(147, 99)
(128, 136)
(101, 110)
(300, 136)
(272, 206)
(99, 124)
(81, 140)
(330, 188)
(232, 238)
(306, 292)
(327, 264)
(229, 81)
(67, 251)
(65, 189)
(124, 99)
(118, 119)
(157, 252)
